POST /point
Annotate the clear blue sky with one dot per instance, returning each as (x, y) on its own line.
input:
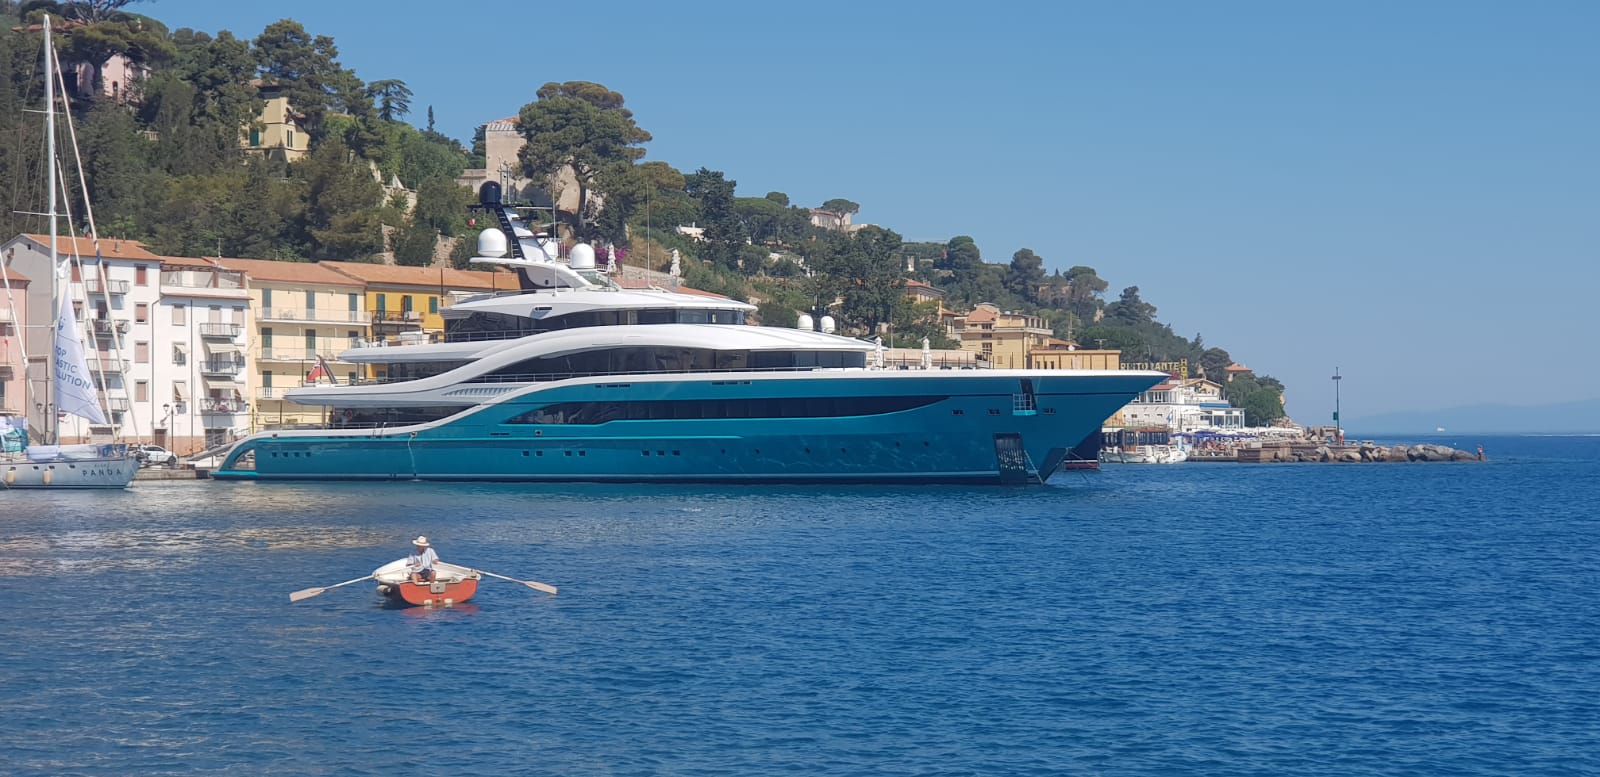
(1409, 192)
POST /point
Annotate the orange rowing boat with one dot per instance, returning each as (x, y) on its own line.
(452, 584)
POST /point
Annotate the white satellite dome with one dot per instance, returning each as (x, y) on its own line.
(804, 322)
(582, 257)
(492, 243)
(828, 325)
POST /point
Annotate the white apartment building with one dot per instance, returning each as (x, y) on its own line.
(114, 295)
(200, 338)
(1189, 405)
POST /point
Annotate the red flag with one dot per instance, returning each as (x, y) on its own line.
(318, 372)
(326, 370)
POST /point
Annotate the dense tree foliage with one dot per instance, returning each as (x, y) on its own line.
(725, 232)
(583, 127)
(168, 165)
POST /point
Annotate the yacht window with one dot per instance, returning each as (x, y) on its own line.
(401, 371)
(589, 413)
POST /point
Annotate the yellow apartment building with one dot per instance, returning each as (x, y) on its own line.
(403, 303)
(1062, 355)
(1002, 338)
(299, 311)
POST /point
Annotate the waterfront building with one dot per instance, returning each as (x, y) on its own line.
(202, 328)
(1002, 338)
(114, 293)
(1183, 405)
(298, 312)
(401, 299)
(13, 365)
(402, 303)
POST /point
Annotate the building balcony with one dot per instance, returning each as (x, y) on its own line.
(214, 406)
(220, 331)
(273, 393)
(302, 315)
(271, 353)
(108, 364)
(204, 282)
(7, 315)
(397, 319)
(104, 326)
(97, 286)
(221, 366)
(118, 404)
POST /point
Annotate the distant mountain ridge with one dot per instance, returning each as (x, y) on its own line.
(1562, 417)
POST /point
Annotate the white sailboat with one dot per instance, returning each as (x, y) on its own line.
(71, 389)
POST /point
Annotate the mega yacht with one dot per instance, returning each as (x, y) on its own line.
(572, 378)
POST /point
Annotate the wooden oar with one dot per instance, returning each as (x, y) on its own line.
(549, 589)
(310, 592)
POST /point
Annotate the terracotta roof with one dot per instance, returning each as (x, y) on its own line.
(428, 278)
(980, 315)
(914, 283)
(701, 292)
(109, 248)
(15, 277)
(188, 261)
(1237, 368)
(289, 272)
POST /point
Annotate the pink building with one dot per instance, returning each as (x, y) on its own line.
(13, 370)
(120, 77)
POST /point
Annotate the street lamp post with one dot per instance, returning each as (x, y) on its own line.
(1338, 429)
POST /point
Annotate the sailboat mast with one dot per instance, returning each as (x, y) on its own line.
(51, 419)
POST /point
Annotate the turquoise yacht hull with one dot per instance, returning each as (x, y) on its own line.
(983, 426)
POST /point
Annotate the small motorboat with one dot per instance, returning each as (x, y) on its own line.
(452, 584)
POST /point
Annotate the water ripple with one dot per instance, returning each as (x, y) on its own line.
(1387, 620)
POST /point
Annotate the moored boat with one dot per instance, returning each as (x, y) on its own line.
(573, 378)
(452, 584)
(71, 388)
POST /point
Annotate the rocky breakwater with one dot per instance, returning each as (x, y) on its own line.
(1357, 453)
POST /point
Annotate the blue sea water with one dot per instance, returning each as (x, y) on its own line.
(1382, 619)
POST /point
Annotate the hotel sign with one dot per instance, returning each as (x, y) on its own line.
(1179, 368)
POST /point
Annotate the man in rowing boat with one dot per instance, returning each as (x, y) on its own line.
(421, 561)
